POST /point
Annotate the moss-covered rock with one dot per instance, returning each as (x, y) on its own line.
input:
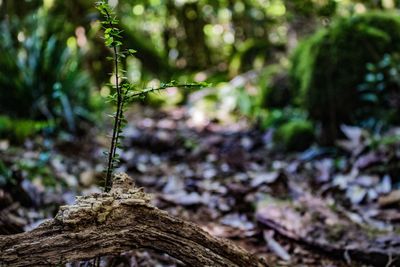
(328, 66)
(275, 87)
(296, 135)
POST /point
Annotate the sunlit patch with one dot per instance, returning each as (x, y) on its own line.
(138, 10)
(198, 118)
(105, 91)
(239, 7)
(81, 36)
(229, 38)
(359, 8)
(113, 3)
(208, 29)
(200, 77)
(172, 91)
(173, 54)
(277, 9)
(71, 43)
(153, 83)
(48, 3)
(112, 79)
(134, 67)
(21, 37)
(388, 3)
(224, 14)
(218, 29)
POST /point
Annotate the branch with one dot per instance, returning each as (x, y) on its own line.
(115, 222)
(144, 92)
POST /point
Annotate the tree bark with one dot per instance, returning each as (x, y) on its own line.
(115, 222)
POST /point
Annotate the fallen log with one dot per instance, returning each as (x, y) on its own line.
(115, 222)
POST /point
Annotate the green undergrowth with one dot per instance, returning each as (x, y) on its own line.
(42, 76)
(296, 135)
(328, 67)
(17, 130)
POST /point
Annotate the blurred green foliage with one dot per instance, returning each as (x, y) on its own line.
(41, 72)
(39, 170)
(52, 56)
(278, 117)
(274, 87)
(17, 130)
(380, 93)
(5, 174)
(295, 135)
(329, 66)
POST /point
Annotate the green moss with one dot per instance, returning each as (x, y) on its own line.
(328, 66)
(274, 87)
(295, 135)
(18, 130)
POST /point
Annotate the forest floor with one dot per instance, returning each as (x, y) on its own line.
(320, 207)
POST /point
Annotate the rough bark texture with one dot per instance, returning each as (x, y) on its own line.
(110, 223)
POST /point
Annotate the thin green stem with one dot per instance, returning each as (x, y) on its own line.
(124, 92)
(146, 91)
(115, 134)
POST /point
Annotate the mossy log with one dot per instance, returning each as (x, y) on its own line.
(115, 222)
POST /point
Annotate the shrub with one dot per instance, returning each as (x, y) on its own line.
(125, 91)
(296, 135)
(41, 77)
(328, 66)
(380, 94)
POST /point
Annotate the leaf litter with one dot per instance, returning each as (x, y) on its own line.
(320, 207)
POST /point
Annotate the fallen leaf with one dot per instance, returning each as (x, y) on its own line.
(275, 247)
(356, 139)
(371, 158)
(324, 168)
(237, 220)
(390, 199)
(183, 198)
(263, 178)
(356, 194)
